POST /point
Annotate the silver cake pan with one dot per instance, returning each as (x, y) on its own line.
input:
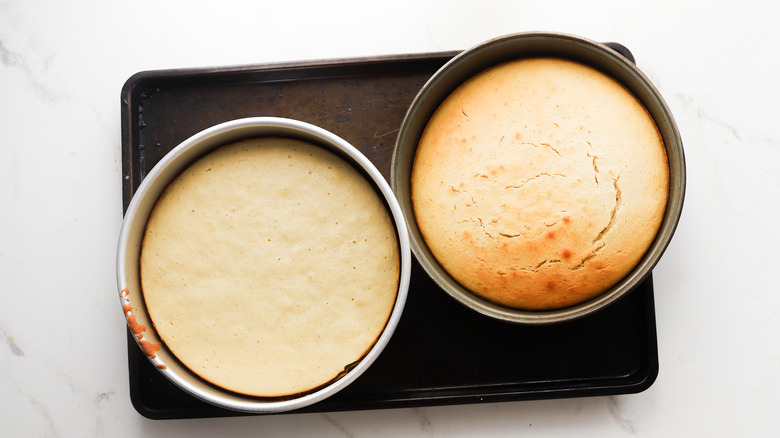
(134, 224)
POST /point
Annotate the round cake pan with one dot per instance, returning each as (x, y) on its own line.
(522, 45)
(134, 224)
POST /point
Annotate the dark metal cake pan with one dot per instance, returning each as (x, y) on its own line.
(468, 63)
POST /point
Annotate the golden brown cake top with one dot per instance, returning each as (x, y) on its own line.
(539, 183)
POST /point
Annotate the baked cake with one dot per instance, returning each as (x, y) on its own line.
(270, 266)
(539, 183)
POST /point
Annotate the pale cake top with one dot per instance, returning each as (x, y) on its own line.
(540, 183)
(269, 266)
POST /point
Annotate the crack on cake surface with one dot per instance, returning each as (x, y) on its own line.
(595, 167)
(539, 265)
(527, 180)
(589, 257)
(550, 147)
(613, 214)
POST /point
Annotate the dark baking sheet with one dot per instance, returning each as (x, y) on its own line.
(441, 352)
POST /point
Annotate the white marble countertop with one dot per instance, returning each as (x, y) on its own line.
(63, 357)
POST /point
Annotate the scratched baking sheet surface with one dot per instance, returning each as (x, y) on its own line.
(441, 352)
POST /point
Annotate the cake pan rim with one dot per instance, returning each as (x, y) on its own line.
(187, 152)
(528, 44)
